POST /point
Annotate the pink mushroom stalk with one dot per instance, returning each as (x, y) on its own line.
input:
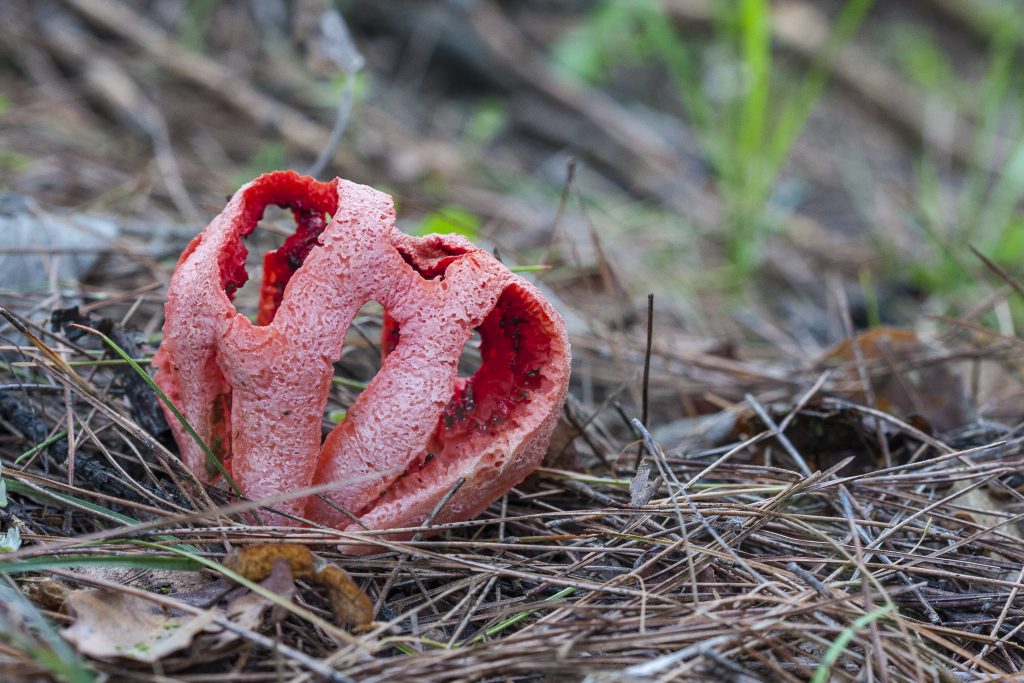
(256, 392)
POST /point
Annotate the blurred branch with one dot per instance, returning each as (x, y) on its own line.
(295, 127)
(985, 18)
(329, 50)
(627, 147)
(119, 92)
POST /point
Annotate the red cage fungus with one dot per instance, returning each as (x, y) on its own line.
(256, 392)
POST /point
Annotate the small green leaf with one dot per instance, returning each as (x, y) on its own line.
(488, 118)
(450, 219)
(10, 541)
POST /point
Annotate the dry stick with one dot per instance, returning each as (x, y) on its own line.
(775, 431)
(47, 352)
(471, 611)
(500, 571)
(72, 445)
(999, 270)
(757, 438)
(862, 373)
(882, 475)
(625, 142)
(128, 480)
(865, 587)
(925, 438)
(805, 399)
(178, 473)
(994, 633)
(119, 91)
(582, 429)
(72, 381)
(141, 528)
(645, 390)
(39, 481)
(341, 118)
(847, 504)
(669, 475)
(563, 202)
(841, 552)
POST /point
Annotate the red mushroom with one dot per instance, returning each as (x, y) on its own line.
(256, 392)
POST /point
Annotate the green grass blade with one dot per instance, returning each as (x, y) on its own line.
(756, 52)
(38, 447)
(516, 618)
(835, 650)
(657, 31)
(73, 561)
(57, 499)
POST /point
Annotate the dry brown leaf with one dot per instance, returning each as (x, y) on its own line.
(926, 390)
(246, 608)
(111, 624)
(45, 592)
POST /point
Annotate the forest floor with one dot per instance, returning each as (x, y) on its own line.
(792, 445)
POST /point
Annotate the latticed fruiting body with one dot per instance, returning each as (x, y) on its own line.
(256, 392)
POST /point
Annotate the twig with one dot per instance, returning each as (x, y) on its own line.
(646, 386)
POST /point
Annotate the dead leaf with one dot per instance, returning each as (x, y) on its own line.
(905, 378)
(350, 604)
(640, 489)
(246, 608)
(45, 592)
(110, 624)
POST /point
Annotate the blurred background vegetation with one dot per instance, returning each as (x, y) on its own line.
(760, 166)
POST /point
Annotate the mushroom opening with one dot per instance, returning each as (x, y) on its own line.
(359, 363)
(311, 214)
(513, 348)
(432, 258)
(470, 360)
(282, 263)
